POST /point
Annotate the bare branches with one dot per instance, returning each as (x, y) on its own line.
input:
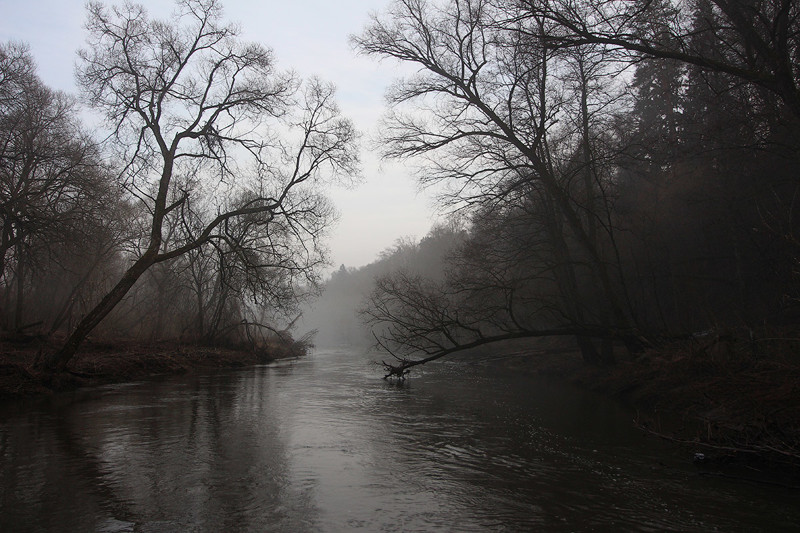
(195, 112)
(499, 116)
(758, 44)
(53, 184)
(412, 316)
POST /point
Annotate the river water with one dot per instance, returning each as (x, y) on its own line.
(323, 444)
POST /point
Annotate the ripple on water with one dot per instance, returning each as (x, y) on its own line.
(323, 444)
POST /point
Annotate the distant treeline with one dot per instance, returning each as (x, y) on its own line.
(335, 316)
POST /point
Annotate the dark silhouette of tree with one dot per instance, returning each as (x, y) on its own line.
(189, 103)
(622, 165)
(492, 120)
(706, 155)
(755, 41)
(54, 190)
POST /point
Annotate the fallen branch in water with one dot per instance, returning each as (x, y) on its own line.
(398, 371)
(787, 454)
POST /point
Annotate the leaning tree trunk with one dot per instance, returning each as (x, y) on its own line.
(57, 362)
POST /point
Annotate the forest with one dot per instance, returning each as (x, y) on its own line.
(194, 209)
(620, 175)
(627, 172)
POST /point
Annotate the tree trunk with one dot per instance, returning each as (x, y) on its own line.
(19, 308)
(57, 362)
(200, 319)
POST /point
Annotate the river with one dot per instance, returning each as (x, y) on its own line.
(323, 444)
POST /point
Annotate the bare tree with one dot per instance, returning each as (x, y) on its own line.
(489, 115)
(757, 41)
(418, 321)
(187, 98)
(54, 189)
(260, 264)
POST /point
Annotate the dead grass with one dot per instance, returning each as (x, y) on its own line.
(737, 399)
(120, 361)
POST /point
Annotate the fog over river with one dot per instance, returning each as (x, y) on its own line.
(323, 444)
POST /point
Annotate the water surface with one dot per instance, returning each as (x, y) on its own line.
(323, 444)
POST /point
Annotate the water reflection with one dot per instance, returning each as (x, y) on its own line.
(204, 453)
(322, 444)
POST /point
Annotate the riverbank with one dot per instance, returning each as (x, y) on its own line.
(735, 403)
(99, 363)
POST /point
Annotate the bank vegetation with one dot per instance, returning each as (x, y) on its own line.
(627, 177)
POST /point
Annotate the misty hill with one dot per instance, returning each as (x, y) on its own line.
(335, 314)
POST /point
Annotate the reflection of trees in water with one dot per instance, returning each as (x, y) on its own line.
(52, 475)
(324, 445)
(206, 454)
(489, 449)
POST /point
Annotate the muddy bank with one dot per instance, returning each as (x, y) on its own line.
(101, 363)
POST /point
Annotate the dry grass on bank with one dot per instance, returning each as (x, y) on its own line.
(120, 361)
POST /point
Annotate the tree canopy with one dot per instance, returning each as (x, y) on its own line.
(621, 163)
(219, 153)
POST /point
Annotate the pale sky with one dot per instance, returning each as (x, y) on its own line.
(308, 36)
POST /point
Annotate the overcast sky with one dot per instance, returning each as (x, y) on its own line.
(308, 36)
